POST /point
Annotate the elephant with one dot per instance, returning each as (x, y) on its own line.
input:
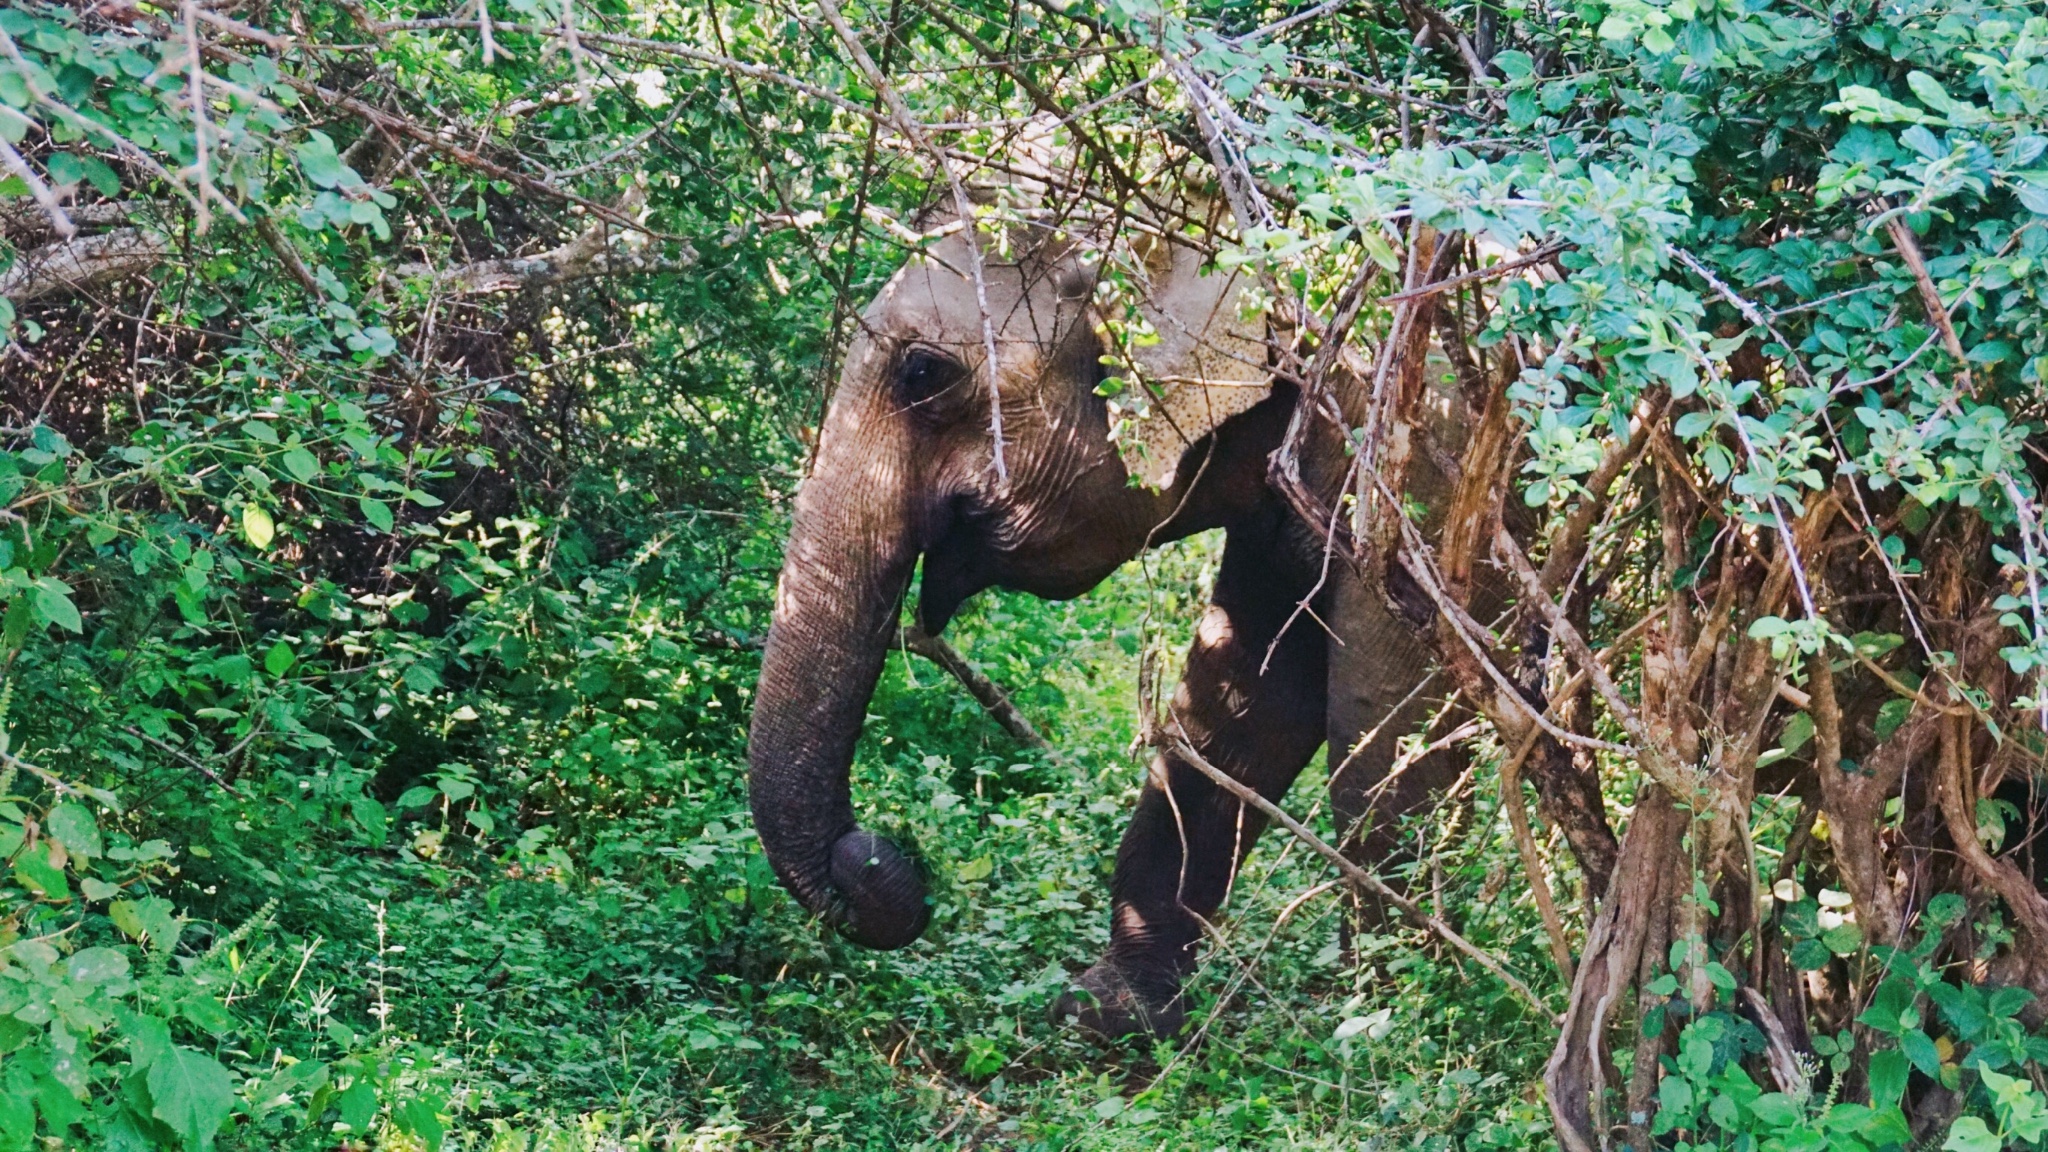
(906, 468)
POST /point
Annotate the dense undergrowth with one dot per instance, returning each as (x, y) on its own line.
(495, 881)
(389, 518)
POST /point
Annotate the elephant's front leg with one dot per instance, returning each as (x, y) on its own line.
(1258, 719)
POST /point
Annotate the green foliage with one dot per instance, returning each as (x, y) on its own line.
(378, 652)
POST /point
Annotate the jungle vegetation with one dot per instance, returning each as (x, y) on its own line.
(402, 405)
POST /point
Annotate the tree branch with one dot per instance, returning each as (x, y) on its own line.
(83, 263)
(1352, 872)
(586, 254)
(986, 691)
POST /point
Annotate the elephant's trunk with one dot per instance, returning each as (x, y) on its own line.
(850, 556)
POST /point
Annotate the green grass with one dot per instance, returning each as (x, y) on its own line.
(621, 967)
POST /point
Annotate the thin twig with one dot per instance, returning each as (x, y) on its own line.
(1930, 296)
(1532, 864)
(907, 124)
(1658, 760)
(55, 782)
(189, 760)
(1352, 872)
(1487, 273)
(985, 691)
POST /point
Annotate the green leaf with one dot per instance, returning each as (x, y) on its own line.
(257, 525)
(17, 1115)
(149, 918)
(53, 605)
(421, 1117)
(279, 659)
(193, 1094)
(1777, 1110)
(72, 823)
(371, 816)
(377, 512)
(300, 464)
(1694, 425)
(96, 966)
(1970, 1134)
(358, 1105)
(1930, 92)
(206, 1012)
(1798, 730)
(1515, 64)
(418, 797)
(1921, 1051)
(1946, 909)
(98, 174)
(59, 1107)
(2008, 1001)
(34, 870)
(1891, 716)
(322, 164)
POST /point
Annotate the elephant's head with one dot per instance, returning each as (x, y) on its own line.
(906, 468)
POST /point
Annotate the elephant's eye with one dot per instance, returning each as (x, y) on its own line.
(924, 373)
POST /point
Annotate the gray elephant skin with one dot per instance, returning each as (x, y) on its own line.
(905, 469)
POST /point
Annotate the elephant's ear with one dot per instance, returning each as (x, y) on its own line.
(1203, 361)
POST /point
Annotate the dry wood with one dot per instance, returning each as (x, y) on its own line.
(1366, 881)
(1575, 1077)
(985, 691)
(1532, 864)
(1490, 272)
(1655, 755)
(1958, 807)
(906, 123)
(83, 263)
(589, 253)
(287, 254)
(1930, 296)
(1855, 804)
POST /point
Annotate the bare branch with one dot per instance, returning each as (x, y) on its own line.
(1930, 296)
(83, 263)
(984, 690)
(907, 124)
(186, 758)
(587, 254)
(1352, 872)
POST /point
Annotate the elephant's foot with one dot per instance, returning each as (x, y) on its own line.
(1115, 1002)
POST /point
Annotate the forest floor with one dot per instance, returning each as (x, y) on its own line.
(640, 981)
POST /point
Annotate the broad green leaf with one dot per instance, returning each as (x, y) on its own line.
(377, 512)
(38, 875)
(358, 1104)
(1921, 1051)
(279, 659)
(322, 164)
(73, 823)
(371, 817)
(1930, 92)
(257, 525)
(300, 464)
(97, 965)
(192, 1094)
(1970, 1134)
(149, 918)
(421, 1117)
(53, 604)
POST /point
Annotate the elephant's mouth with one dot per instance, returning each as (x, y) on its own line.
(955, 567)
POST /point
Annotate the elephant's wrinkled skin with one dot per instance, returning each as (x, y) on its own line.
(905, 469)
